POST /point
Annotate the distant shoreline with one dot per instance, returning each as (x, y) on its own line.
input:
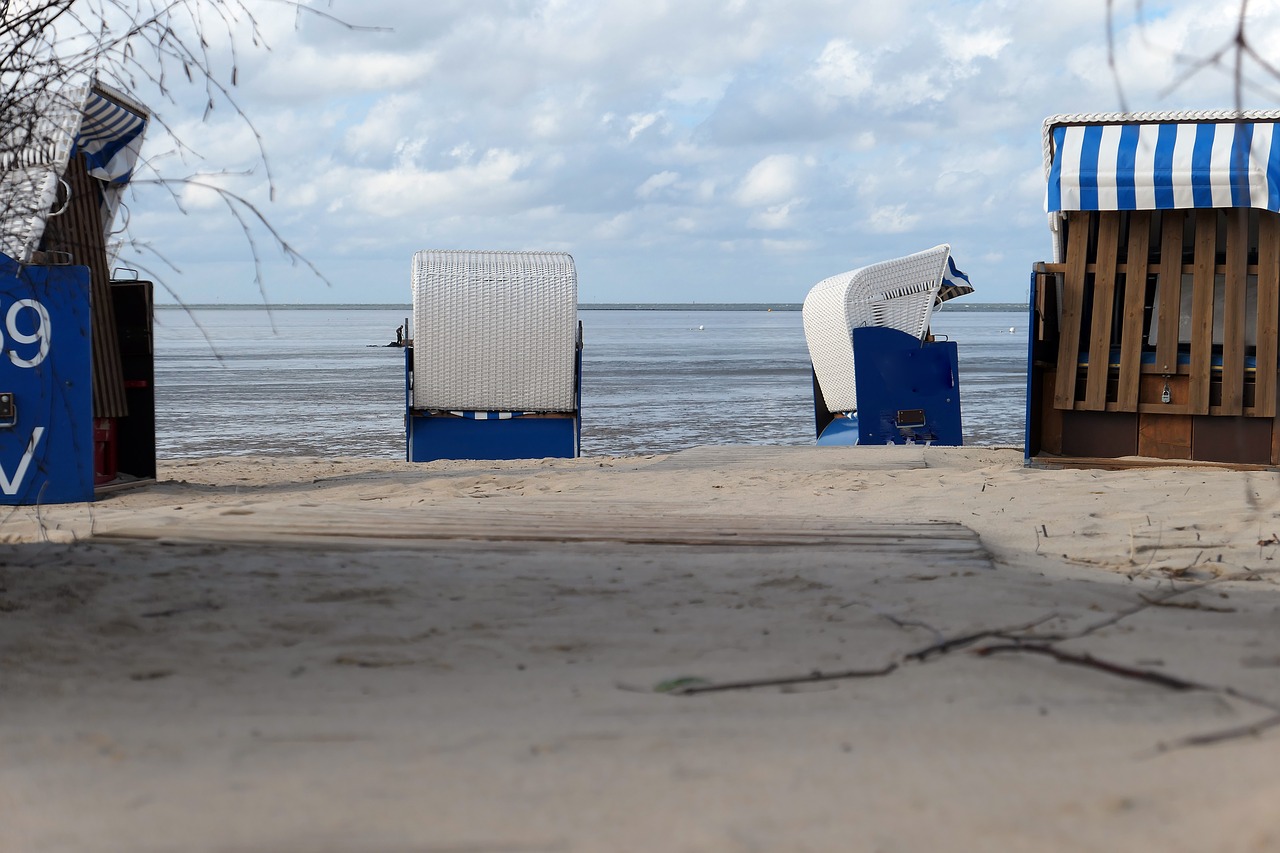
(952, 307)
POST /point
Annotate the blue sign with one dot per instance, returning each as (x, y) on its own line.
(46, 396)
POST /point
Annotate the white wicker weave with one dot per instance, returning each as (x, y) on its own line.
(494, 331)
(89, 117)
(897, 294)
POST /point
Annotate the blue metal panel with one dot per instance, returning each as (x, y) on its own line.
(46, 428)
(908, 390)
(434, 437)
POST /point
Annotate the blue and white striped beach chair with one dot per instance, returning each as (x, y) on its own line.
(494, 367)
(1154, 326)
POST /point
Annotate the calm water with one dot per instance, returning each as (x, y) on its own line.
(320, 381)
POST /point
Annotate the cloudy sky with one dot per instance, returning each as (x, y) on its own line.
(681, 150)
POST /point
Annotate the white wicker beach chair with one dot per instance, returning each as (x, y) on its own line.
(494, 331)
(898, 294)
(495, 338)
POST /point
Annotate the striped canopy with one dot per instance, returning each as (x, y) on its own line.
(104, 125)
(1163, 161)
(110, 137)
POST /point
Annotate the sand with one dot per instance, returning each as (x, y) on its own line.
(724, 649)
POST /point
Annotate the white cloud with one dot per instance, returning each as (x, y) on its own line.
(774, 179)
(893, 219)
(841, 72)
(985, 44)
(692, 125)
(410, 191)
(639, 123)
(656, 183)
(771, 219)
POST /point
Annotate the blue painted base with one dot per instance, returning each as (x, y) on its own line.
(444, 436)
(841, 432)
(434, 437)
(46, 401)
(908, 391)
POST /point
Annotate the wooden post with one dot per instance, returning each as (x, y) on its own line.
(1206, 241)
(1135, 294)
(1104, 297)
(1233, 311)
(1064, 393)
(1268, 313)
(1170, 289)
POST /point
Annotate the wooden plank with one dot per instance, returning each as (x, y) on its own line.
(1206, 242)
(1233, 311)
(1135, 292)
(1104, 298)
(79, 232)
(1220, 269)
(1170, 290)
(1164, 436)
(1264, 400)
(1064, 392)
(1108, 464)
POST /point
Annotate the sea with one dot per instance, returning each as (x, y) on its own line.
(322, 380)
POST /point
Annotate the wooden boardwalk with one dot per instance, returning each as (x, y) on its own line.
(346, 526)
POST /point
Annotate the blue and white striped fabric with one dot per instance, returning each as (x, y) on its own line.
(1164, 165)
(954, 283)
(110, 138)
(488, 416)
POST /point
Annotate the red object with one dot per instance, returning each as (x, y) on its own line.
(104, 450)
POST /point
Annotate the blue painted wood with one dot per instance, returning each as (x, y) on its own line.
(46, 446)
(898, 377)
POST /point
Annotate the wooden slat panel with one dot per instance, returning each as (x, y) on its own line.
(1135, 291)
(1202, 308)
(1164, 436)
(1268, 312)
(1170, 289)
(79, 232)
(1233, 311)
(1104, 292)
(1064, 392)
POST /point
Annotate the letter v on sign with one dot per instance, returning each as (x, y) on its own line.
(10, 487)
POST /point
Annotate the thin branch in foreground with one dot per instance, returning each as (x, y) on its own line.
(1089, 661)
(953, 643)
(1222, 735)
(811, 678)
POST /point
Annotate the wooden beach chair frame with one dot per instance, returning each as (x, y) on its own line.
(1154, 331)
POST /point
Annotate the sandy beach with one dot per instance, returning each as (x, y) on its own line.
(722, 649)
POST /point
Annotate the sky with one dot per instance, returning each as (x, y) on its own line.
(681, 150)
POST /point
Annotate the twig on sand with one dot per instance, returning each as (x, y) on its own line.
(178, 611)
(1151, 676)
(951, 644)
(1222, 735)
(695, 687)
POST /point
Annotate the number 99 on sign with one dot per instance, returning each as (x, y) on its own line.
(27, 326)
